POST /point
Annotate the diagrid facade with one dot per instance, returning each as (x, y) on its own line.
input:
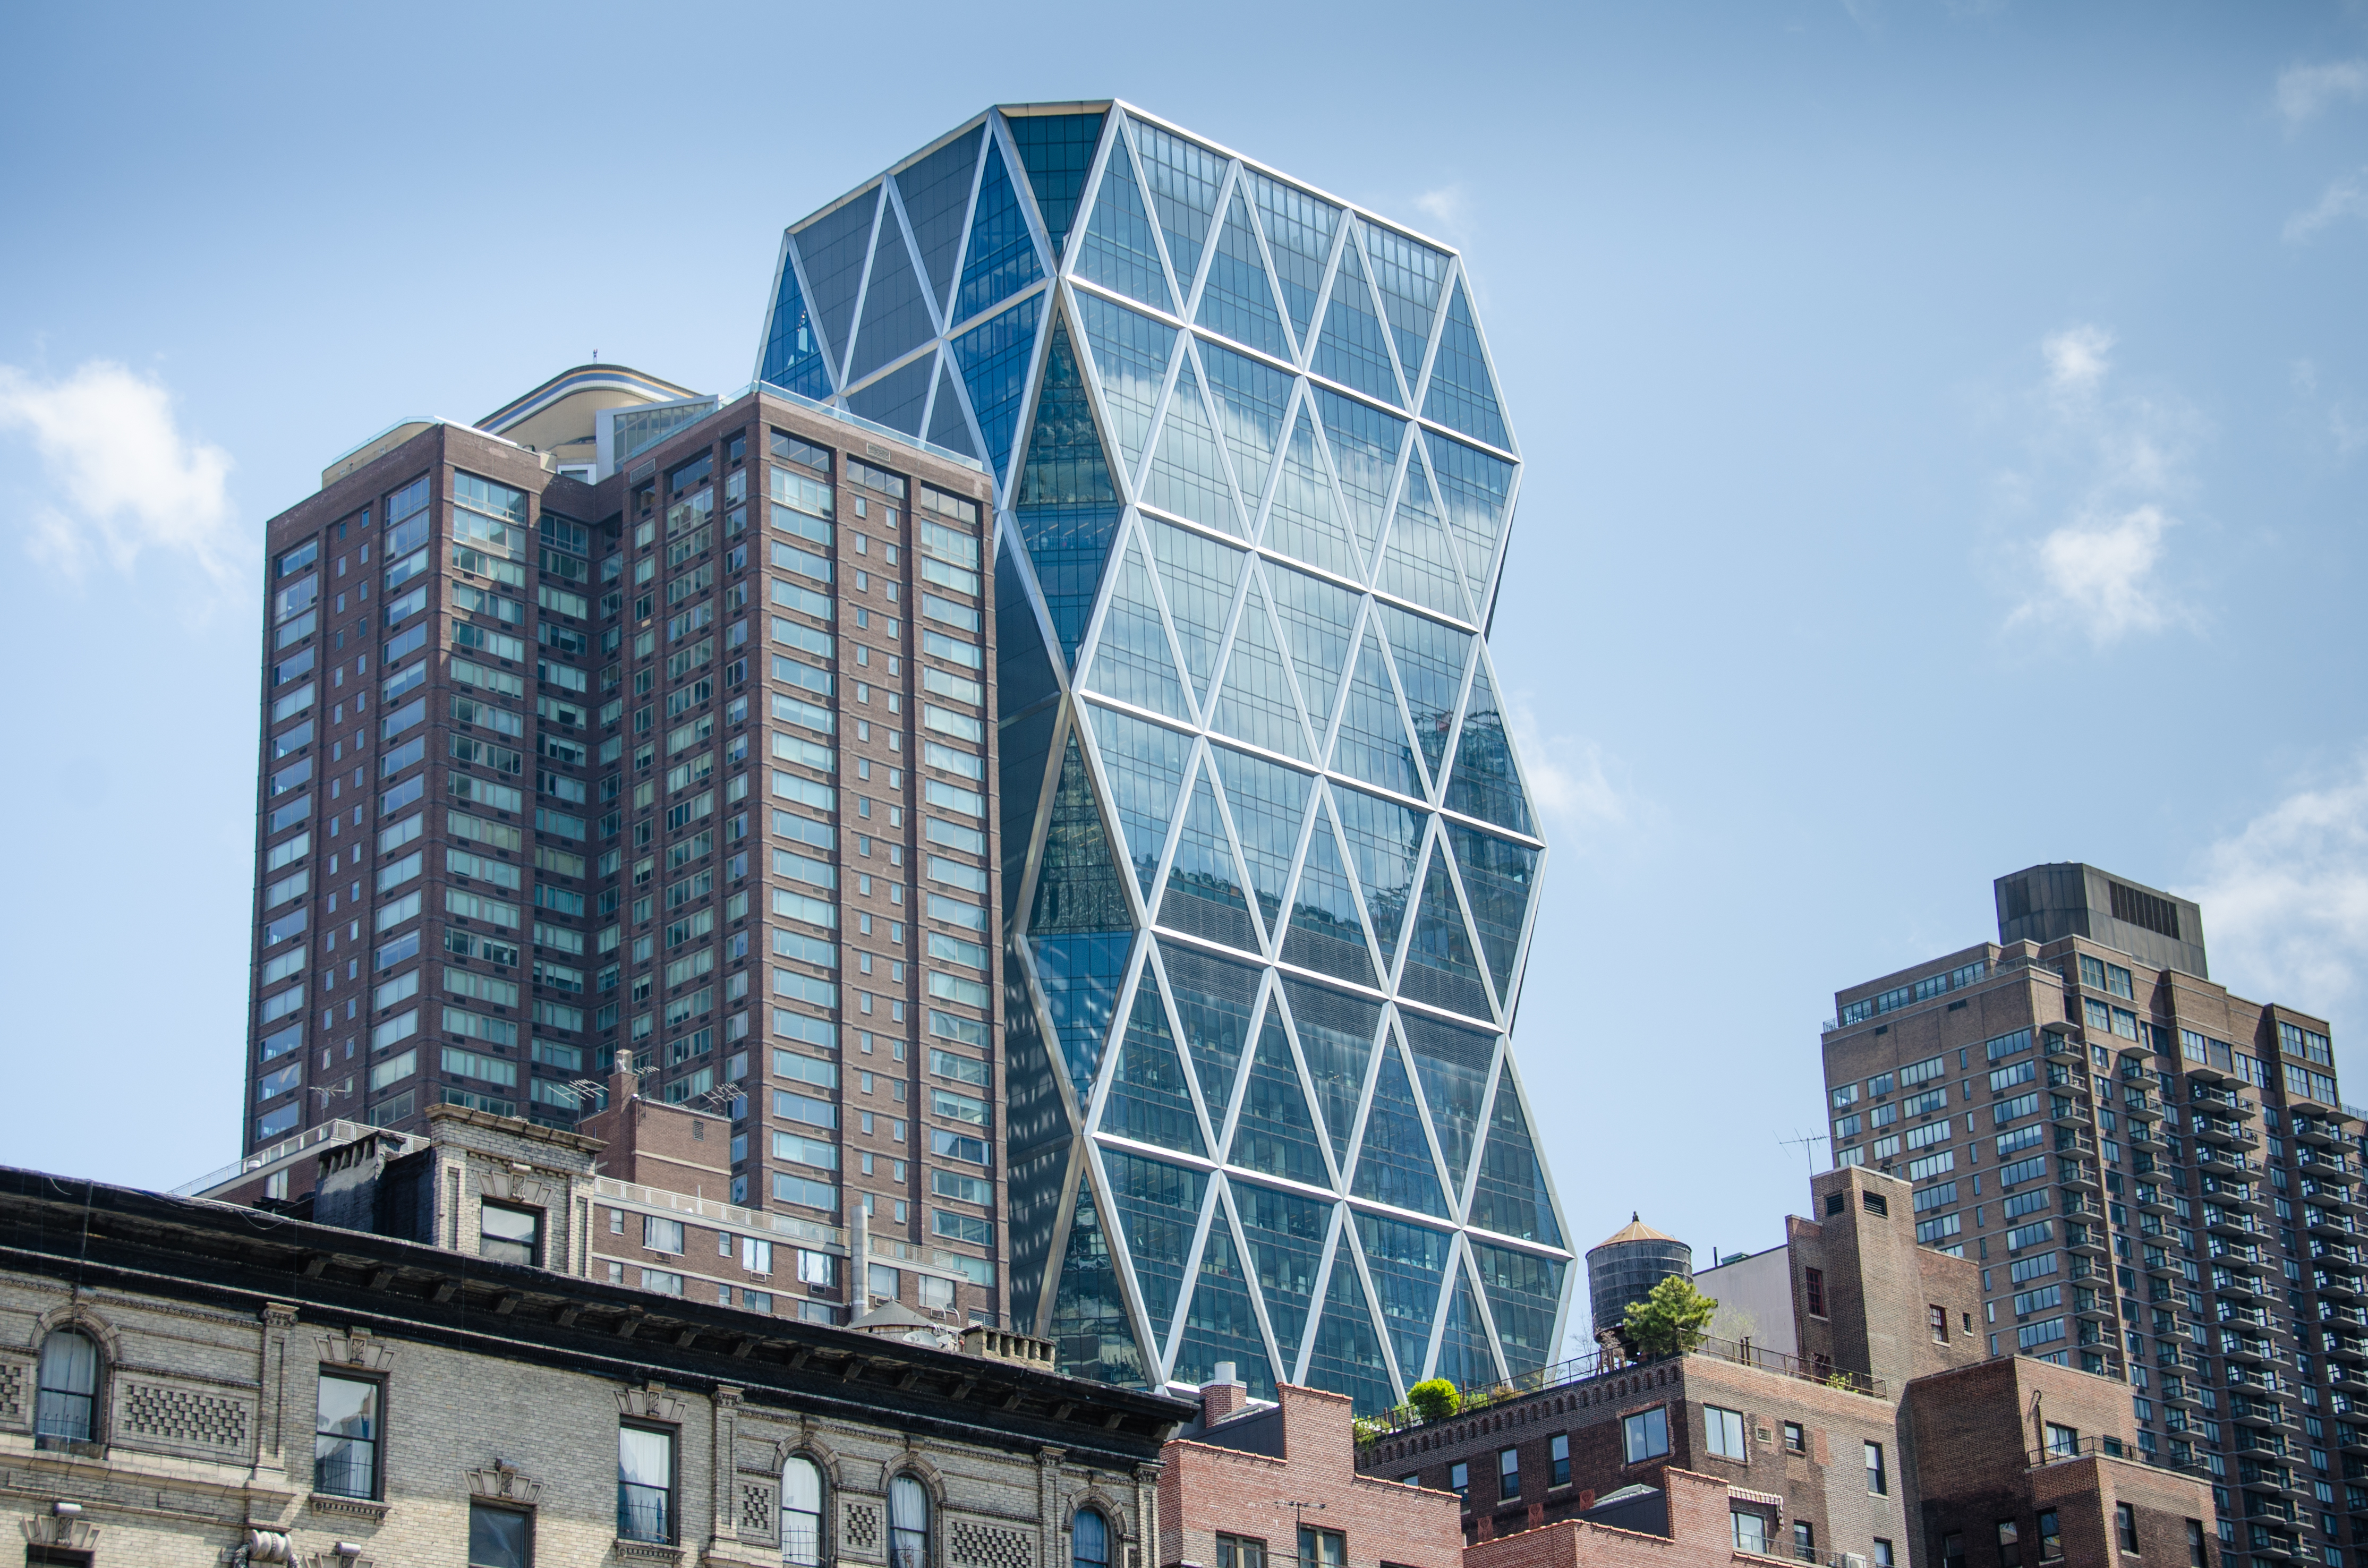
(1268, 865)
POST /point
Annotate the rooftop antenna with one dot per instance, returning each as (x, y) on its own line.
(1803, 1144)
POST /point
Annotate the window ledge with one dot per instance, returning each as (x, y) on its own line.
(353, 1507)
(647, 1552)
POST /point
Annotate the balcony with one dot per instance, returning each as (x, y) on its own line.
(2227, 1220)
(2075, 1174)
(2249, 1349)
(2241, 1287)
(2153, 1197)
(2336, 1284)
(2323, 1221)
(2086, 1239)
(2105, 1448)
(2148, 1135)
(2317, 1130)
(2220, 1130)
(2346, 1347)
(2067, 1110)
(2262, 1413)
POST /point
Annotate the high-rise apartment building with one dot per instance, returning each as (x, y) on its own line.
(632, 723)
(1268, 864)
(2156, 1178)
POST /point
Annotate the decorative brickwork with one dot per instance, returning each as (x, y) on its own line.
(755, 1509)
(975, 1545)
(183, 1417)
(860, 1528)
(14, 1380)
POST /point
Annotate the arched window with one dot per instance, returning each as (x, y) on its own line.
(801, 1512)
(908, 1523)
(68, 1393)
(1090, 1540)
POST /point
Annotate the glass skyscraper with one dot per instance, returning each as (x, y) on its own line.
(1268, 865)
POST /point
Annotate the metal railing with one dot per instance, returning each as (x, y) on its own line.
(339, 1132)
(1587, 1368)
(2106, 1448)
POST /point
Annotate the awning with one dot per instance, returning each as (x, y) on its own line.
(1765, 1499)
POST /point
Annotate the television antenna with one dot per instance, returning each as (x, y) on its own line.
(1802, 1143)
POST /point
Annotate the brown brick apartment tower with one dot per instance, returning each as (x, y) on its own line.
(635, 723)
(2155, 1178)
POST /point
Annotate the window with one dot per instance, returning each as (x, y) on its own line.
(1647, 1434)
(1321, 1549)
(2125, 1525)
(1090, 1540)
(1952, 1549)
(1876, 1485)
(1508, 1473)
(510, 1235)
(1724, 1431)
(908, 1523)
(66, 1400)
(645, 1484)
(1882, 1554)
(1938, 1318)
(1814, 1281)
(800, 1512)
(1241, 1552)
(2009, 1544)
(1750, 1531)
(499, 1537)
(1459, 1479)
(660, 1235)
(2051, 1537)
(1804, 1541)
(345, 1437)
(1558, 1460)
(2195, 1553)
(2062, 1442)
(1796, 1438)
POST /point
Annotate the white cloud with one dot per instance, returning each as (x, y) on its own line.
(121, 476)
(2304, 90)
(1567, 776)
(2077, 360)
(2285, 901)
(2102, 573)
(2345, 197)
(1449, 208)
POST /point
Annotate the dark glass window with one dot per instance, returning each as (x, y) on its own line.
(1876, 1484)
(2051, 1537)
(1321, 1549)
(1558, 1458)
(67, 1397)
(1508, 1473)
(345, 1438)
(499, 1538)
(1240, 1551)
(1814, 1282)
(2009, 1544)
(510, 1235)
(2125, 1525)
(1090, 1540)
(1647, 1434)
(645, 1484)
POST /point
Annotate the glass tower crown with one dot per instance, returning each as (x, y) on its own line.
(1269, 863)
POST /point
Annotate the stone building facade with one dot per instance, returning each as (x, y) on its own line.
(179, 1381)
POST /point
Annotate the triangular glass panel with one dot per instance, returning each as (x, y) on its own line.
(1524, 1292)
(1157, 1206)
(1238, 299)
(1036, 1114)
(1344, 1355)
(1183, 176)
(1023, 664)
(1148, 1101)
(1252, 399)
(1408, 274)
(1463, 394)
(936, 193)
(1036, 1180)
(1336, 1038)
(1484, 782)
(1499, 877)
(1081, 975)
(1326, 932)
(1285, 1235)
(1256, 703)
(994, 359)
(1442, 968)
(1383, 839)
(1354, 350)
(1131, 659)
(1364, 443)
(1002, 257)
(1452, 1064)
(1057, 150)
(1418, 562)
(794, 356)
(1319, 623)
(948, 428)
(1187, 474)
(1214, 997)
(899, 398)
(895, 313)
(1268, 802)
(1464, 1358)
(1131, 353)
(1200, 576)
(1510, 1197)
(1204, 894)
(1304, 523)
(1090, 1328)
(1394, 1162)
(1066, 504)
(1079, 888)
(1144, 763)
(1220, 1324)
(1121, 252)
(833, 247)
(1276, 1134)
(1474, 487)
(1408, 1264)
(1429, 659)
(1026, 744)
(1299, 229)
(1373, 744)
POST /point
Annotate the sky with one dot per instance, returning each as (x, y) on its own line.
(1946, 431)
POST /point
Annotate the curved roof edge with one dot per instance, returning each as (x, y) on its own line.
(578, 379)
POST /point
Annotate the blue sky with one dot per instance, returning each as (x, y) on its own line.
(1947, 431)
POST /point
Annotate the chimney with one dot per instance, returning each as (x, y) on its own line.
(1223, 1396)
(624, 1082)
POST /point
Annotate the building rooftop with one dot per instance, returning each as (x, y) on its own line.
(1635, 1230)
